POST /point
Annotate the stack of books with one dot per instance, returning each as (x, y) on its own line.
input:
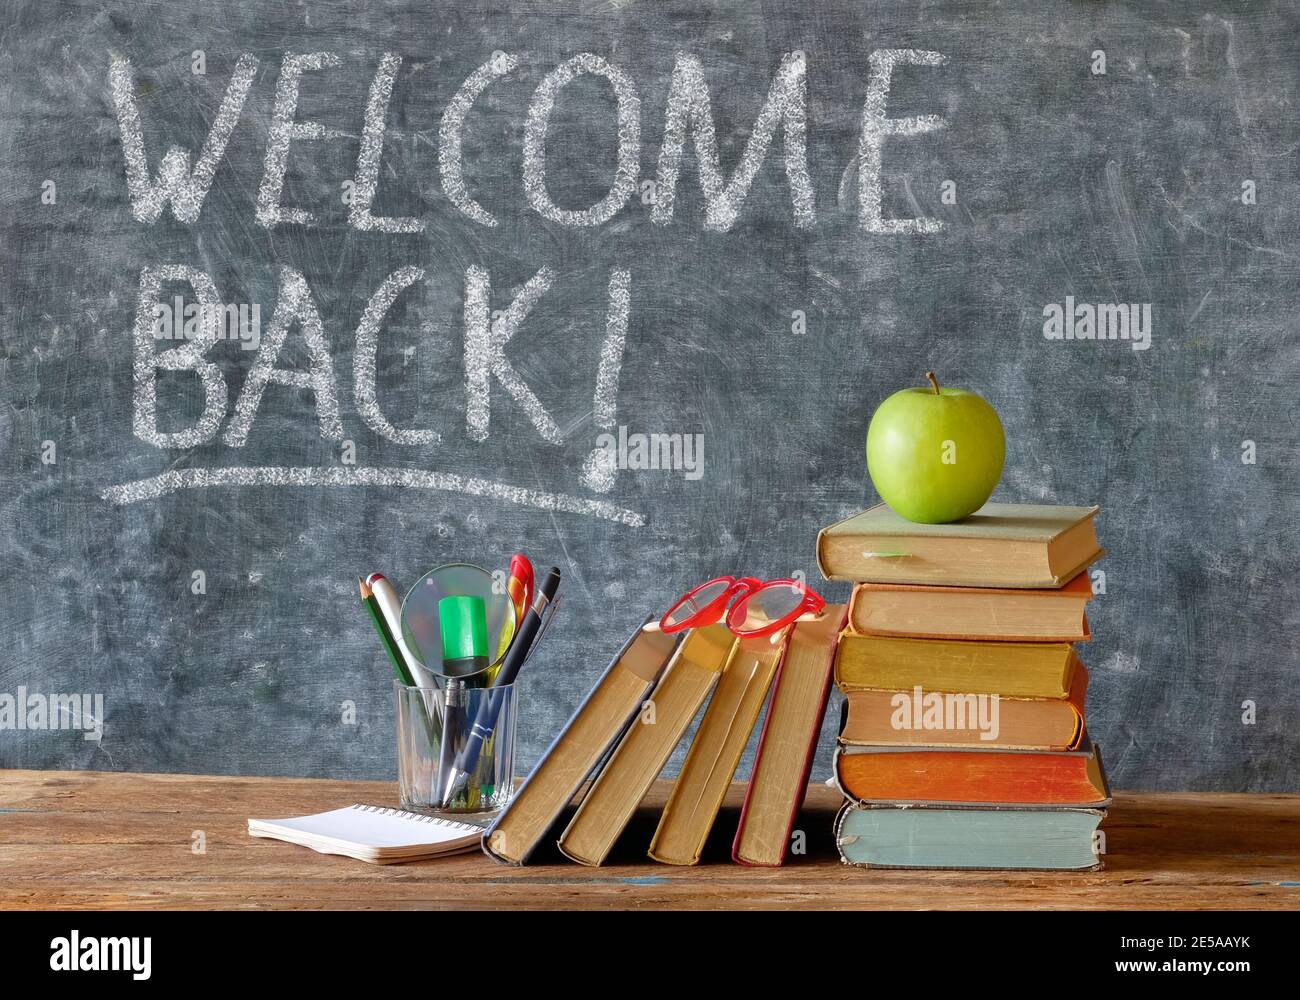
(623, 734)
(963, 741)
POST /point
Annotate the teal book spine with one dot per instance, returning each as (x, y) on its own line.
(969, 838)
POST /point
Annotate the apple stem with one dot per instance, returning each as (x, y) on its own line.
(933, 381)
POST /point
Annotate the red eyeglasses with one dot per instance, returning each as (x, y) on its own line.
(759, 608)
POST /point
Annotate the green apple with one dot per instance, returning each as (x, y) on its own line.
(935, 454)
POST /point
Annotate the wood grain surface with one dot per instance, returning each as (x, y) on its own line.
(72, 840)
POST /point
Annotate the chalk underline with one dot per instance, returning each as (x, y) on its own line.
(419, 479)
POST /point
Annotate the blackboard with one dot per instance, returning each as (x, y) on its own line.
(1049, 156)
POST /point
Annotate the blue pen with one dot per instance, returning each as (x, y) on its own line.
(490, 707)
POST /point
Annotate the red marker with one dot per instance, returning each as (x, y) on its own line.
(520, 584)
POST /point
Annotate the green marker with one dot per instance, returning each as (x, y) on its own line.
(462, 622)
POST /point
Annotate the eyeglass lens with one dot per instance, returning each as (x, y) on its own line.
(695, 603)
(766, 605)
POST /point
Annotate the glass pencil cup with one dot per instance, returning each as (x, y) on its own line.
(434, 727)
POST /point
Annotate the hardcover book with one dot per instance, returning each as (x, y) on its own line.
(922, 716)
(692, 673)
(1013, 670)
(715, 752)
(884, 836)
(586, 738)
(972, 612)
(1000, 545)
(933, 776)
(788, 742)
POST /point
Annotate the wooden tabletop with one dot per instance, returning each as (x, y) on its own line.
(127, 841)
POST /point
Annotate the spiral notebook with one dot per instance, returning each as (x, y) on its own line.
(373, 833)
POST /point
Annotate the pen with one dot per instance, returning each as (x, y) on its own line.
(495, 711)
(490, 705)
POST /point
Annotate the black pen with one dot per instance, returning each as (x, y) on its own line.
(490, 704)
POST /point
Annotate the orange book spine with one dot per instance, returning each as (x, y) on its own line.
(968, 776)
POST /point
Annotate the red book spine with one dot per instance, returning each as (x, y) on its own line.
(809, 754)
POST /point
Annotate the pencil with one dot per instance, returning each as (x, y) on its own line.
(432, 727)
(385, 636)
(390, 606)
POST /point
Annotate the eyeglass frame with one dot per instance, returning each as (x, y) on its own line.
(721, 609)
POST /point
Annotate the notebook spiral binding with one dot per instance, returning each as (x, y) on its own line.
(418, 817)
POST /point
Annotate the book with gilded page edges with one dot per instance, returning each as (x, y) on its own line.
(715, 751)
(936, 776)
(924, 717)
(686, 683)
(1006, 614)
(1000, 545)
(1009, 669)
(594, 728)
(783, 761)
